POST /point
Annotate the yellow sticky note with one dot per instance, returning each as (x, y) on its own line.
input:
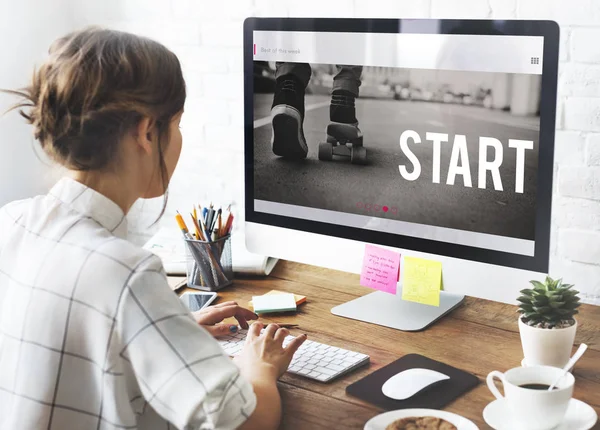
(422, 280)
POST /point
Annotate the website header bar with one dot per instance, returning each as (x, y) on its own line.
(482, 53)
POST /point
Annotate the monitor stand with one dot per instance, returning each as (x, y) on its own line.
(391, 311)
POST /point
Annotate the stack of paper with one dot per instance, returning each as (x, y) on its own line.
(168, 244)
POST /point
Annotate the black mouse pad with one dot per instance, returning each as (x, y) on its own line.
(435, 396)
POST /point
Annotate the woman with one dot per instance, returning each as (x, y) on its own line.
(91, 336)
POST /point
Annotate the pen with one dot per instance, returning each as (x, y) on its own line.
(209, 217)
(205, 230)
(284, 325)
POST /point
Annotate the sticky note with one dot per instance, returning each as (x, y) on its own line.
(422, 280)
(380, 269)
(299, 299)
(274, 303)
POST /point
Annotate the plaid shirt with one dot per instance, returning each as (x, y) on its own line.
(91, 336)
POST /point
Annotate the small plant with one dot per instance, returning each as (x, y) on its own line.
(549, 305)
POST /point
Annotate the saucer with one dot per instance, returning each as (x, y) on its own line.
(381, 421)
(579, 416)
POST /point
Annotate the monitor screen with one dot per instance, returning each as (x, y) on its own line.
(454, 158)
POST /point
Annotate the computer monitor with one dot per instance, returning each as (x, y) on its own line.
(451, 160)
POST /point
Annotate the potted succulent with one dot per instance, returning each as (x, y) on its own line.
(547, 323)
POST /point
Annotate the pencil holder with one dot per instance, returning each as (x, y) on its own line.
(208, 264)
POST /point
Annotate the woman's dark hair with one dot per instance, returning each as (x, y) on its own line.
(95, 86)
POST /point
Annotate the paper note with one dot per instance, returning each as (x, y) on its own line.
(299, 299)
(422, 281)
(274, 303)
(380, 269)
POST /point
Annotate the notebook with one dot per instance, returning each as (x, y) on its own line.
(435, 397)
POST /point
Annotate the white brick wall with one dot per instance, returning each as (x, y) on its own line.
(207, 35)
(593, 150)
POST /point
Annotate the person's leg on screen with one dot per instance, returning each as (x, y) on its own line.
(287, 111)
(345, 90)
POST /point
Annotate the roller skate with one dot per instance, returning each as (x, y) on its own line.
(344, 138)
(287, 118)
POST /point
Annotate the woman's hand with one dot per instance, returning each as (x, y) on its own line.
(263, 355)
(211, 318)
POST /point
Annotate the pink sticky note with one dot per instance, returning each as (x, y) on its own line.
(380, 269)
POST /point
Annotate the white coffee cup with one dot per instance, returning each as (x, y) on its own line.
(529, 408)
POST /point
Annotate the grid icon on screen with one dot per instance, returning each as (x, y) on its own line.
(535, 60)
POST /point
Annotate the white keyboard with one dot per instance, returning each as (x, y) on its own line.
(313, 360)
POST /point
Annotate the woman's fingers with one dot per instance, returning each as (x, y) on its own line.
(220, 330)
(216, 315)
(254, 331)
(271, 330)
(280, 335)
(293, 346)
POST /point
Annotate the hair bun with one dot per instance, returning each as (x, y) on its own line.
(95, 85)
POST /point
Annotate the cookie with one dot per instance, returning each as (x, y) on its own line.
(421, 423)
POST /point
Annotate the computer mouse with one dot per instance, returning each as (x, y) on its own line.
(409, 382)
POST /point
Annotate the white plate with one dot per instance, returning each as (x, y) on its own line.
(579, 416)
(381, 421)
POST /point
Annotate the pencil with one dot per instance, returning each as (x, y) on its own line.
(182, 226)
(219, 223)
(223, 230)
(229, 224)
(197, 227)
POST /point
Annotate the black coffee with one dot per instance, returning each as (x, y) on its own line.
(536, 386)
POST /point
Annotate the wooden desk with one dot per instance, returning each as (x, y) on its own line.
(479, 337)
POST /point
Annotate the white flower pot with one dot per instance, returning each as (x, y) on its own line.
(547, 347)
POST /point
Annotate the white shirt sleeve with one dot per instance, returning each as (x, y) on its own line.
(180, 368)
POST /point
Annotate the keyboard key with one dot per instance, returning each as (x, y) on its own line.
(325, 371)
(335, 367)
